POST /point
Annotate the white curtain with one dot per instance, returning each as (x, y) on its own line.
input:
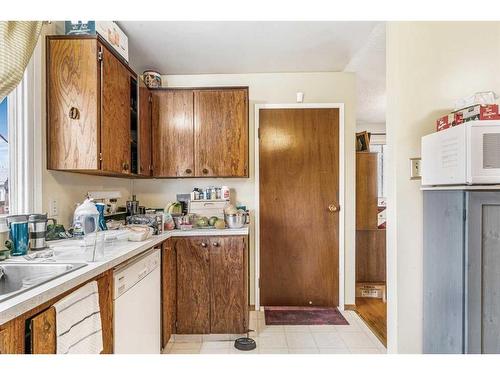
(17, 42)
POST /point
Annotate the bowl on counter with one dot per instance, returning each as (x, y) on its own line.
(235, 221)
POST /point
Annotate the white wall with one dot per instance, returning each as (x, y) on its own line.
(272, 88)
(429, 66)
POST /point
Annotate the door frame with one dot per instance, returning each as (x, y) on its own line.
(341, 254)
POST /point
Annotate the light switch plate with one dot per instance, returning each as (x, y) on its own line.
(415, 171)
(53, 207)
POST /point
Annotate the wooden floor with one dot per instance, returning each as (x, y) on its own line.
(374, 313)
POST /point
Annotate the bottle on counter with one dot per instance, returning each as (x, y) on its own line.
(225, 193)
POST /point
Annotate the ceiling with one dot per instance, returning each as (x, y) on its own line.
(211, 47)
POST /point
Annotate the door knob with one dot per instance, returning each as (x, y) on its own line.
(332, 208)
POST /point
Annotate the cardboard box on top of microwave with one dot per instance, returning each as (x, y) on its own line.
(474, 112)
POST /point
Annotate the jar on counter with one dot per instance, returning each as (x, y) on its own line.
(225, 193)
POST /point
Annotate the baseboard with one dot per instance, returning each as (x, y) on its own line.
(350, 307)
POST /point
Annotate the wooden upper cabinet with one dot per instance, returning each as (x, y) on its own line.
(115, 124)
(145, 130)
(89, 107)
(173, 152)
(72, 104)
(221, 132)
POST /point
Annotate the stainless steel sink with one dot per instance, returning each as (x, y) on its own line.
(16, 278)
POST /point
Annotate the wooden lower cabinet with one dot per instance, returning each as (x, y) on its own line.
(212, 286)
(228, 285)
(168, 290)
(42, 323)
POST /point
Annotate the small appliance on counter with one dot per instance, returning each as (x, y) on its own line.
(465, 154)
(132, 206)
(85, 219)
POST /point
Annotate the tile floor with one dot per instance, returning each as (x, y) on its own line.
(356, 338)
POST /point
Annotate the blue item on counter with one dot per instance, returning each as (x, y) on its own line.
(19, 235)
(102, 221)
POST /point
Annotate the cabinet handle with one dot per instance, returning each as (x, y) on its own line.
(215, 244)
(203, 244)
(205, 171)
(74, 113)
(188, 171)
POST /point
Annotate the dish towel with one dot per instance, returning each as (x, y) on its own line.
(78, 322)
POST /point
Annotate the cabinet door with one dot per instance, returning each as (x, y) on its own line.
(43, 325)
(173, 150)
(443, 266)
(169, 290)
(193, 285)
(228, 285)
(221, 133)
(72, 104)
(144, 130)
(115, 116)
(483, 273)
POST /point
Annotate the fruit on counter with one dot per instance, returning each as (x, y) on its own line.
(173, 208)
(202, 222)
(220, 224)
(230, 210)
(212, 221)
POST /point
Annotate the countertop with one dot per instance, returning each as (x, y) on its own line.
(114, 255)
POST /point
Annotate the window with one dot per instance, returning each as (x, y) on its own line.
(4, 157)
(380, 148)
(21, 143)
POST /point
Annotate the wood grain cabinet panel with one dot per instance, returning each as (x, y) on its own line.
(193, 285)
(115, 125)
(72, 91)
(169, 290)
(366, 190)
(228, 287)
(370, 256)
(221, 132)
(173, 137)
(145, 130)
(89, 107)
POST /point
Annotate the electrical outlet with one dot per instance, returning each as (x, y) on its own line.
(53, 207)
(415, 171)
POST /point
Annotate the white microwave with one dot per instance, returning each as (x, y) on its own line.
(466, 154)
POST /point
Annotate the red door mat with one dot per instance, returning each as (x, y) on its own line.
(298, 315)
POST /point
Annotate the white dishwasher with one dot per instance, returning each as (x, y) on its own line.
(137, 305)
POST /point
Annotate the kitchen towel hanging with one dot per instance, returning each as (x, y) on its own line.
(78, 322)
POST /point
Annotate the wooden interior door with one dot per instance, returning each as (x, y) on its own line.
(115, 120)
(145, 130)
(221, 133)
(229, 288)
(299, 204)
(72, 143)
(173, 151)
(193, 285)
